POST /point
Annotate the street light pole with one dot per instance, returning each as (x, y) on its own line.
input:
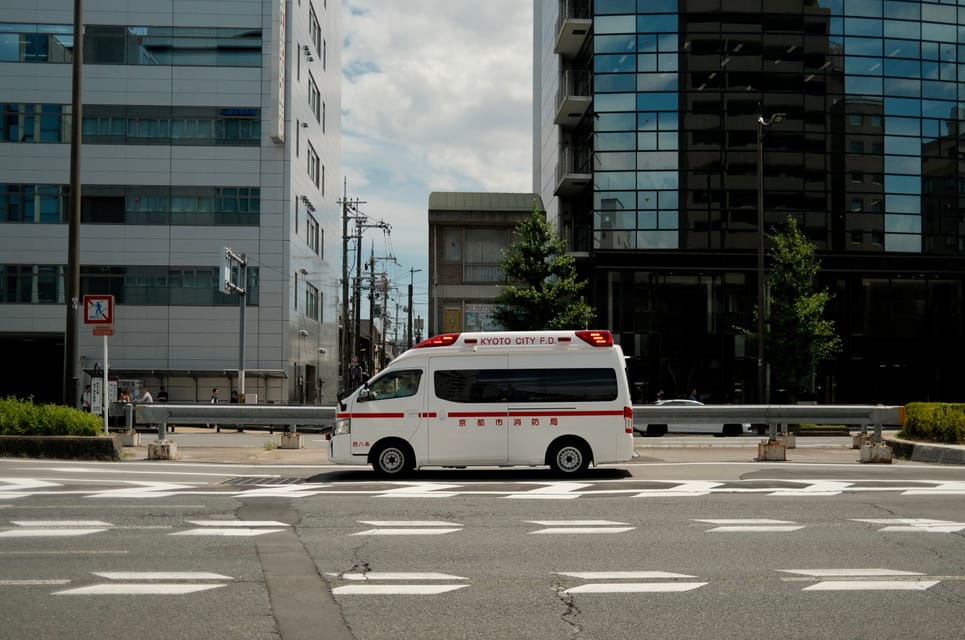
(762, 124)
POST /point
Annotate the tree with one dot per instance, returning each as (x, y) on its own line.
(543, 290)
(798, 337)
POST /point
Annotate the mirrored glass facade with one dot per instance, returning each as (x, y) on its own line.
(857, 109)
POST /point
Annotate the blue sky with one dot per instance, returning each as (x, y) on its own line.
(436, 96)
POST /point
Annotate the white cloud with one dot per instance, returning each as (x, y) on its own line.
(437, 96)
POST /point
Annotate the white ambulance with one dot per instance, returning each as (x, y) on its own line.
(557, 398)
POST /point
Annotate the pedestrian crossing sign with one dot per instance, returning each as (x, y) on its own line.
(99, 310)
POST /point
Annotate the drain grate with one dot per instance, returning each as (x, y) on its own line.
(262, 480)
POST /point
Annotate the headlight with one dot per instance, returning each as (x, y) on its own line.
(343, 426)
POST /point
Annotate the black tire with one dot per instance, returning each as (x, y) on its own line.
(733, 430)
(393, 459)
(656, 430)
(569, 458)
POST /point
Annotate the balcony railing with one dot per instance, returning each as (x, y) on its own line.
(573, 27)
(573, 173)
(574, 97)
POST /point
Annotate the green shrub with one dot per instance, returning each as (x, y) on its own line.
(935, 421)
(24, 418)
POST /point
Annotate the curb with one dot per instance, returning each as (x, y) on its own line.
(61, 447)
(927, 452)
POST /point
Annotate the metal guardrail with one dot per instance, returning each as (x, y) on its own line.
(772, 415)
(291, 416)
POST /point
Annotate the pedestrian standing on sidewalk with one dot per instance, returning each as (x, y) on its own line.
(215, 399)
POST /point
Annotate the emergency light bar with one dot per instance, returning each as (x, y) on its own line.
(599, 338)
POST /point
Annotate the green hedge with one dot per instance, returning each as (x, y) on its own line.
(935, 421)
(24, 418)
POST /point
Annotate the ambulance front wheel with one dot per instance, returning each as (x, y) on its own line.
(393, 459)
(569, 457)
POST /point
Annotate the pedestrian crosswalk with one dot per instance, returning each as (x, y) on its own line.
(249, 528)
(242, 487)
(433, 583)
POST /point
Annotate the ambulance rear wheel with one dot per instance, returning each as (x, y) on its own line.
(569, 458)
(393, 459)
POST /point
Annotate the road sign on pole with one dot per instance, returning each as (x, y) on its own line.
(99, 310)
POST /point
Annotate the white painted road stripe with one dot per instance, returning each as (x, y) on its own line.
(876, 585)
(161, 575)
(409, 523)
(849, 573)
(687, 489)
(637, 587)
(558, 530)
(623, 575)
(738, 525)
(816, 488)
(30, 583)
(411, 531)
(744, 528)
(396, 589)
(737, 521)
(375, 575)
(61, 523)
(553, 491)
(420, 490)
(225, 531)
(906, 525)
(48, 533)
(238, 523)
(137, 589)
(575, 523)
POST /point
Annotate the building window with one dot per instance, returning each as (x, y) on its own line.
(141, 285)
(314, 29)
(314, 166)
(314, 98)
(484, 250)
(312, 302)
(311, 231)
(453, 240)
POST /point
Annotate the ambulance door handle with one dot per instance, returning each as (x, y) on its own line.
(412, 414)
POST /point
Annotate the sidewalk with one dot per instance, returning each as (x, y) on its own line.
(262, 448)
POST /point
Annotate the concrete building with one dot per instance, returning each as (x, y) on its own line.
(468, 233)
(669, 134)
(205, 125)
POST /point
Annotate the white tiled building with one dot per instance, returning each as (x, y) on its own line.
(206, 124)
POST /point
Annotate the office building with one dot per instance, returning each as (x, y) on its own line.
(468, 235)
(648, 119)
(205, 125)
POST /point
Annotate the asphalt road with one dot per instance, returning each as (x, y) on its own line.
(663, 549)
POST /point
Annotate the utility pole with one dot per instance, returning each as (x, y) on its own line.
(352, 328)
(408, 335)
(71, 350)
(372, 357)
(350, 208)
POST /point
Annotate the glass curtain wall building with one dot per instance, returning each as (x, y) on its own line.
(647, 128)
(204, 125)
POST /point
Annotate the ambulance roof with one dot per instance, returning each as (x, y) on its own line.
(521, 339)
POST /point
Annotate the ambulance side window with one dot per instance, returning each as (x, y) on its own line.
(471, 386)
(395, 384)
